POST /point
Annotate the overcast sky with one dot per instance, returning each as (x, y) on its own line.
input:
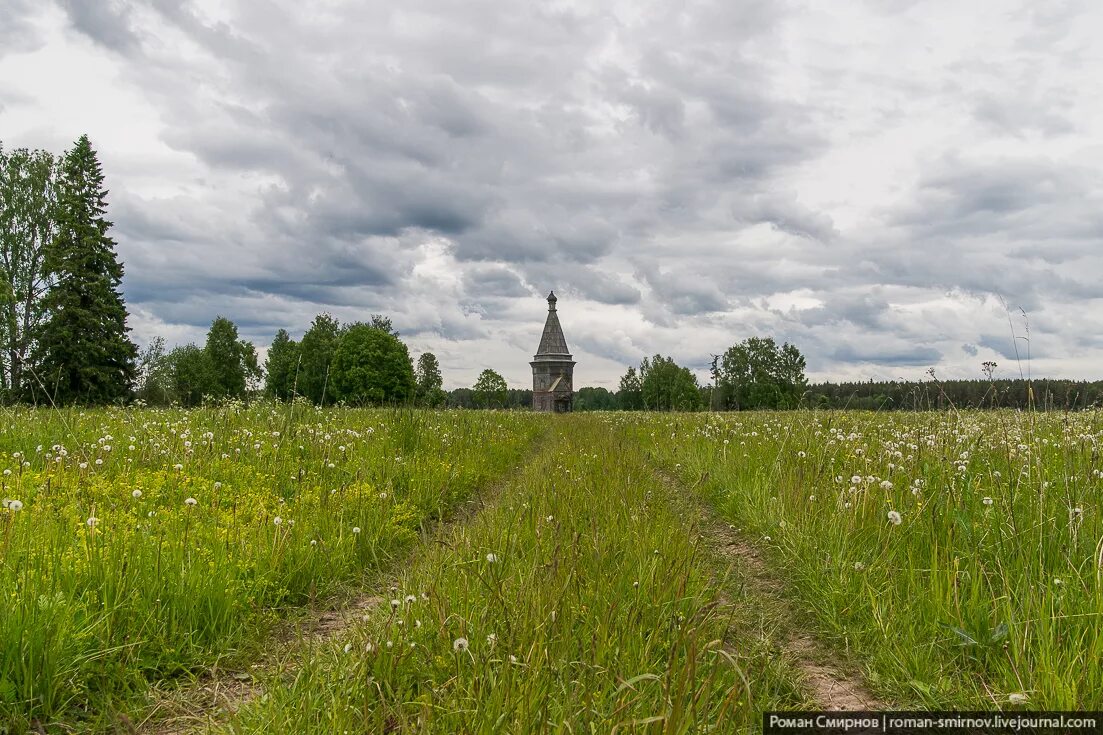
(871, 180)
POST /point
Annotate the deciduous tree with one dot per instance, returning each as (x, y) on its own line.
(28, 214)
(371, 366)
(490, 390)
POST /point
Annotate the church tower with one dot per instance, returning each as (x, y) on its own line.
(552, 367)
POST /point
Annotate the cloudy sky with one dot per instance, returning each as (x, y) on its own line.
(873, 180)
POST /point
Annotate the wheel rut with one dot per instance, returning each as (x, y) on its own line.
(831, 686)
(219, 693)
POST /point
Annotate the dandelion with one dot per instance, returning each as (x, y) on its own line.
(178, 467)
(14, 505)
(856, 480)
(92, 521)
(356, 529)
(512, 659)
(1017, 698)
(410, 599)
(492, 558)
(348, 647)
(395, 604)
(136, 494)
(369, 647)
(859, 566)
(191, 501)
(459, 645)
(886, 485)
(313, 542)
(895, 518)
(218, 486)
(491, 640)
(986, 500)
(277, 520)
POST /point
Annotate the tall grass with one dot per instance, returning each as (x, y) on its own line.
(988, 590)
(137, 545)
(579, 601)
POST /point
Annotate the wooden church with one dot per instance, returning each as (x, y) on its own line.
(552, 367)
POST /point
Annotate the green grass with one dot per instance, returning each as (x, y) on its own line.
(600, 607)
(585, 604)
(288, 504)
(988, 587)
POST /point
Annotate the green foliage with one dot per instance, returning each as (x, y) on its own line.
(194, 376)
(371, 367)
(28, 214)
(630, 392)
(429, 381)
(595, 399)
(281, 366)
(381, 322)
(82, 353)
(155, 378)
(490, 390)
(758, 374)
(233, 361)
(317, 349)
(665, 386)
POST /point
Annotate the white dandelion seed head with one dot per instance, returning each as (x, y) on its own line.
(410, 599)
(1017, 698)
(348, 647)
(986, 500)
(14, 505)
(92, 521)
(459, 645)
(191, 501)
(136, 493)
(395, 604)
(492, 558)
(859, 566)
(356, 529)
(895, 518)
(277, 520)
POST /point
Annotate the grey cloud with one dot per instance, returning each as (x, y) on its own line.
(107, 22)
(494, 281)
(899, 355)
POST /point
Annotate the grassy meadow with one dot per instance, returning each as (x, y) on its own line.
(958, 555)
(952, 559)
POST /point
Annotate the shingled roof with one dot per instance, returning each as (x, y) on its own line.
(552, 342)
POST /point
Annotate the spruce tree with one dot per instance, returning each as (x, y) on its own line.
(82, 353)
